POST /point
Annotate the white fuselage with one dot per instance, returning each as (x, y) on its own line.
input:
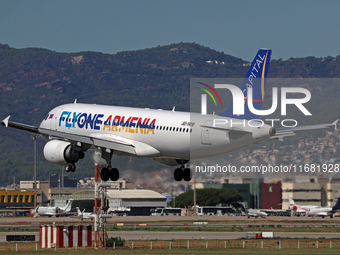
(321, 211)
(256, 213)
(156, 133)
(48, 211)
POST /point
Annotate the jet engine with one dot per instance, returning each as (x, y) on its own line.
(62, 153)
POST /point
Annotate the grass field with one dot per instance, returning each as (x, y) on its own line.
(309, 246)
(249, 228)
(165, 252)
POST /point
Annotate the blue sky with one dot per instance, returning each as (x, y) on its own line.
(297, 28)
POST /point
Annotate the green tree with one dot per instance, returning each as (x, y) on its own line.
(208, 197)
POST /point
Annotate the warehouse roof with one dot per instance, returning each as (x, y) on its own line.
(134, 193)
(121, 194)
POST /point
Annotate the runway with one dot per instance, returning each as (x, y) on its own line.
(194, 235)
(178, 219)
(146, 235)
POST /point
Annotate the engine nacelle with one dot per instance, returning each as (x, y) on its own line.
(62, 153)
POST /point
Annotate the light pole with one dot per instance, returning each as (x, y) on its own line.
(34, 136)
(194, 188)
(59, 186)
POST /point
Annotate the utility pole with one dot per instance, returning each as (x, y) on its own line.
(100, 210)
(194, 189)
(62, 177)
(34, 136)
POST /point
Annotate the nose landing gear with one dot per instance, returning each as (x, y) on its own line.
(70, 168)
(108, 172)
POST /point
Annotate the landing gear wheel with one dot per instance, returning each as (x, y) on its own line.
(105, 174)
(178, 174)
(114, 174)
(70, 168)
(187, 174)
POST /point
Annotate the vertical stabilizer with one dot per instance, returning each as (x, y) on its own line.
(255, 78)
(336, 207)
(291, 201)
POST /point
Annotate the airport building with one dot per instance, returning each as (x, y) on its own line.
(259, 194)
(121, 201)
(274, 194)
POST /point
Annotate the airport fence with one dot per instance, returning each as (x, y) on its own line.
(191, 244)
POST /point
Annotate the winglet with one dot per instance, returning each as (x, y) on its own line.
(335, 123)
(5, 121)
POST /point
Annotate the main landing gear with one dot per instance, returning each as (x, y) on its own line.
(108, 172)
(182, 173)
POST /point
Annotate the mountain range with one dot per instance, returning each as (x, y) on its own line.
(34, 80)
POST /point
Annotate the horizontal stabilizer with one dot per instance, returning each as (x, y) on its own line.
(284, 132)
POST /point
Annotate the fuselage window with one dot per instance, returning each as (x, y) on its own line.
(170, 129)
(164, 128)
(187, 130)
(167, 128)
(180, 130)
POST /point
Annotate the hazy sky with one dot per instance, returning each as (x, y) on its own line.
(291, 28)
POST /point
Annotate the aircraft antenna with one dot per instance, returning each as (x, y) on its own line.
(173, 109)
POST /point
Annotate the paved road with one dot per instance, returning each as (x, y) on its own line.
(179, 219)
(147, 235)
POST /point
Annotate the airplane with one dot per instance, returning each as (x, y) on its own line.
(324, 211)
(256, 213)
(84, 215)
(171, 138)
(251, 212)
(300, 209)
(52, 210)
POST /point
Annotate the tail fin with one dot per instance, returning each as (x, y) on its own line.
(68, 206)
(78, 211)
(337, 205)
(243, 207)
(255, 78)
(291, 201)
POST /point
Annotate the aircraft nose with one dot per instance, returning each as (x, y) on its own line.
(272, 131)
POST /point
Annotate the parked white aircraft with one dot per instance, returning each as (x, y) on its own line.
(171, 138)
(84, 215)
(52, 210)
(256, 213)
(324, 211)
(300, 209)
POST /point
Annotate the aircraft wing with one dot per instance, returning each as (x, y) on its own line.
(233, 129)
(284, 132)
(96, 140)
(109, 142)
(20, 126)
